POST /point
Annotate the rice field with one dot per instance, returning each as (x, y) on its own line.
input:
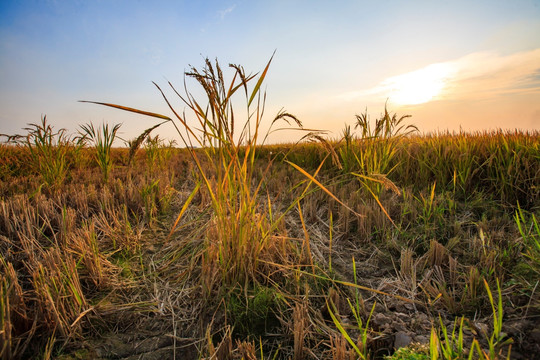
(383, 243)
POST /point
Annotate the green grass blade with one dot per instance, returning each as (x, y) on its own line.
(343, 331)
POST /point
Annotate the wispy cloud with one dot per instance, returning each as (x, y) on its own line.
(482, 75)
(487, 75)
(223, 13)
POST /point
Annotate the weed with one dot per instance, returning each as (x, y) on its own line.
(452, 346)
(498, 340)
(411, 352)
(360, 346)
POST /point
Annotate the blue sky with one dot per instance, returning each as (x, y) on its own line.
(460, 64)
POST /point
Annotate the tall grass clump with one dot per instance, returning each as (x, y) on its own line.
(372, 156)
(241, 231)
(49, 151)
(102, 139)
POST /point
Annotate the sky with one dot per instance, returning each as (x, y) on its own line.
(472, 65)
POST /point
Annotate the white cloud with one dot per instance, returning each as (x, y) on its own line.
(223, 13)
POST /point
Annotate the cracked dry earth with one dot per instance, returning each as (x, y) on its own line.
(399, 323)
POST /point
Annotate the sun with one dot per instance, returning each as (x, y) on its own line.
(419, 86)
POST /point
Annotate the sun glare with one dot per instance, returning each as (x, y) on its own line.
(418, 86)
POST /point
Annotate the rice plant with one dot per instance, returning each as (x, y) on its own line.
(102, 139)
(371, 157)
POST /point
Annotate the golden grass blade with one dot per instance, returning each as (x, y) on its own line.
(270, 216)
(125, 108)
(396, 190)
(232, 88)
(184, 208)
(382, 207)
(311, 178)
(350, 284)
(306, 237)
(81, 315)
(205, 178)
(260, 81)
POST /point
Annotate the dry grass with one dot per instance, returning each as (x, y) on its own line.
(62, 252)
